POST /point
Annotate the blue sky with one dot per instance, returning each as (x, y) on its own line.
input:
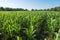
(29, 4)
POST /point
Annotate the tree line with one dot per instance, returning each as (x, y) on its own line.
(12, 9)
(50, 9)
(21, 9)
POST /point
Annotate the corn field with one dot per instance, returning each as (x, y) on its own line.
(29, 25)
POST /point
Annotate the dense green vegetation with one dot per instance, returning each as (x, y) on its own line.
(21, 9)
(29, 25)
(12, 9)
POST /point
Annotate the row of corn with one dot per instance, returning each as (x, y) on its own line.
(29, 25)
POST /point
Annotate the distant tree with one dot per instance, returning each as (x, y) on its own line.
(32, 9)
(8, 9)
(21, 9)
(36, 10)
(48, 10)
(40, 9)
(45, 9)
(55, 9)
(1, 9)
(26, 9)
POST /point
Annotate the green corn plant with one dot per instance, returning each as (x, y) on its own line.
(57, 35)
(30, 30)
(58, 30)
(19, 38)
(9, 27)
(11, 23)
(51, 26)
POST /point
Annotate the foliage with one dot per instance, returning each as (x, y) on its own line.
(29, 25)
(21, 9)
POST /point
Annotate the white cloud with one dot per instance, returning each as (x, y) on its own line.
(7, 3)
